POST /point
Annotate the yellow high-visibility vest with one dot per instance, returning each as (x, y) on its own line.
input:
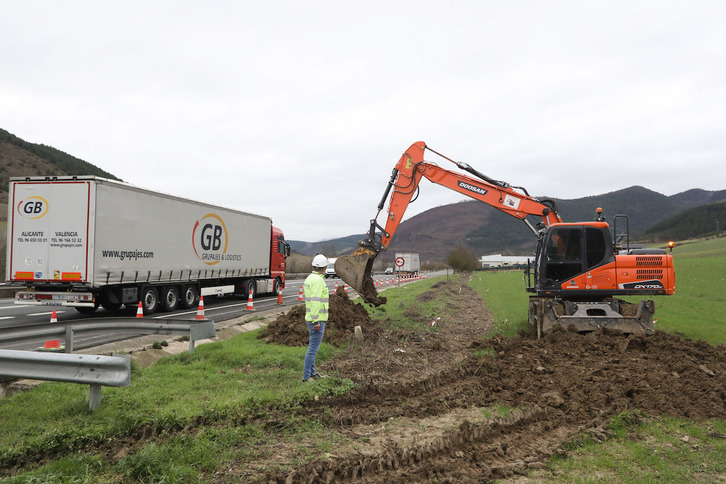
(316, 297)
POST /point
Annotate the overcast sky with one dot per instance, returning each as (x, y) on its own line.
(299, 110)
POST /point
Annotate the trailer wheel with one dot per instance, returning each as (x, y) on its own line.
(87, 310)
(171, 298)
(111, 306)
(189, 296)
(278, 287)
(150, 300)
(251, 287)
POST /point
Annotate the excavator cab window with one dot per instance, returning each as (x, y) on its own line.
(572, 250)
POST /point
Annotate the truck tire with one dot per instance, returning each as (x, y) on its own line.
(251, 287)
(111, 306)
(189, 296)
(277, 287)
(170, 300)
(87, 310)
(150, 300)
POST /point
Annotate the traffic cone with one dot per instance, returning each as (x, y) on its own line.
(279, 297)
(140, 311)
(250, 305)
(300, 296)
(345, 288)
(336, 287)
(200, 309)
(53, 344)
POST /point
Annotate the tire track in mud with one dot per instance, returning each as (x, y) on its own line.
(474, 452)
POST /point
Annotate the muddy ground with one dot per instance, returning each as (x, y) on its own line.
(422, 409)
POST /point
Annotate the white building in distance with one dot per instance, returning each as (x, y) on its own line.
(499, 260)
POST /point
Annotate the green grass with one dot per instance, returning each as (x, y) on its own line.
(505, 296)
(663, 449)
(222, 389)
(403, 298)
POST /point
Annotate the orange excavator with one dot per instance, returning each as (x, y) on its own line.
(577, 272)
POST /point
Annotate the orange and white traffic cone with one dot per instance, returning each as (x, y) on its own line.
(250, 304)
(140, 311)
(300, 295)
(53, 344)
(279, 297)
(336, 287)
(345, 288)
(200, 309)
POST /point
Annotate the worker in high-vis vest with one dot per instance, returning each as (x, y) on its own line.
(315, 292)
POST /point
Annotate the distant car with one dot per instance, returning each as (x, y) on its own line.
(330, 271)
(389, 270)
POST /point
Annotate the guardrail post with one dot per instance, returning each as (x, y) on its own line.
(94, 397)
(69, 339)
(200, 330)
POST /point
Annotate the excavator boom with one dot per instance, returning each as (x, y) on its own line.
(356, 269)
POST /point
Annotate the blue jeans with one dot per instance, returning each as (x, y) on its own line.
(316, 337)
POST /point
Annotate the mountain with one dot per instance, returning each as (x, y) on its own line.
(20, 158)
(696, 222)
(697, 197)
(486, 230)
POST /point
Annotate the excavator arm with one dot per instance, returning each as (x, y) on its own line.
(355, 269)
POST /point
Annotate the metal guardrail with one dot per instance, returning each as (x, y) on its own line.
(92, 370)
(196, 329)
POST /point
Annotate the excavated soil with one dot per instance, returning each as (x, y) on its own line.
(290, 329)
(422, 410)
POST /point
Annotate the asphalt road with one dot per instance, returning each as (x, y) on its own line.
(216, 308)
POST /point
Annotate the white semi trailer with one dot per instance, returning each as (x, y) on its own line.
(86, 242)
(407, 263)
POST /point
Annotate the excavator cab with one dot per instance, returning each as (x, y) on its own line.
(568, 250)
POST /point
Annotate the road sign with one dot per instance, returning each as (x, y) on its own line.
(399, 261)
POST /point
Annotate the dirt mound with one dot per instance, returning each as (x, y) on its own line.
(344, 315)
(434, 385)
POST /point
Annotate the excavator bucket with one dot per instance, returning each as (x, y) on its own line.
(355, 269)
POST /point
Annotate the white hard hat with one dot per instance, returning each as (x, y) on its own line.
(320, 261)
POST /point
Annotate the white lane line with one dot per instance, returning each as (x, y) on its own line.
(7, 317)
(45, 314)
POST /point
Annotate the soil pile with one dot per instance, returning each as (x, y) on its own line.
(344, 315)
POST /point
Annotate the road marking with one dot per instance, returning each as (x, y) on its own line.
(7, 317)
(45, 314)
(217, 308)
